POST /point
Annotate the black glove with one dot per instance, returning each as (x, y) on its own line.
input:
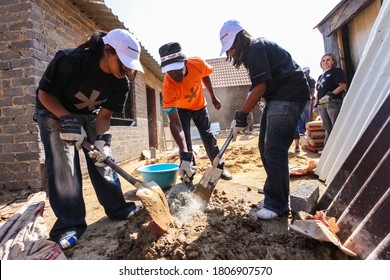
(239, 123)
(186, 170)
(103, 146)
(72, 130)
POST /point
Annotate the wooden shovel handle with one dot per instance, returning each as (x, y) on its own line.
(89, 147)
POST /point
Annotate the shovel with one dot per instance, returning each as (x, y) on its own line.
(210, 178)
(151, 195)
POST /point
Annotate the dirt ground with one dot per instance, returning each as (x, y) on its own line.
(223, 231)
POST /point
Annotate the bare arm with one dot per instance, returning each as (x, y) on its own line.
(342, 87)
(103, 121)
(254, 97)
(207, 83)
(52, 104)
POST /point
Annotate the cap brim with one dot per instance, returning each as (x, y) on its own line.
(227, 45)
(172, 66)
(130, 62)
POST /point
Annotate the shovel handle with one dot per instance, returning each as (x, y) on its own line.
(223, 149)
(89, 147)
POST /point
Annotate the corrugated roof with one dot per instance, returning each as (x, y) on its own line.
(226, 75)
(104, 17)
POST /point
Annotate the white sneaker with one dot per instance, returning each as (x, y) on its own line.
(266, 214)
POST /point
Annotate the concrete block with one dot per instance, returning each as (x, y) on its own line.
(305, 198)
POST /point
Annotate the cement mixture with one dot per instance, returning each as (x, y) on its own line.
(222, 231)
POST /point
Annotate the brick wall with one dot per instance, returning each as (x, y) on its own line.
(26, 47)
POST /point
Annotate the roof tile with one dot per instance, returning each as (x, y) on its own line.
(226, 75)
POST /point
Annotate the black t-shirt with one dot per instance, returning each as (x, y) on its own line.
(75, 78)
(311, 82)
(330, 80)
(268, 62)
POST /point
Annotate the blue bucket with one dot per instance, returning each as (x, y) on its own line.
(164, 174)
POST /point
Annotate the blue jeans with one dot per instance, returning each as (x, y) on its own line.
(65, 179)
(277, 129)
(202, 122)
(329, 113)
(305, 117)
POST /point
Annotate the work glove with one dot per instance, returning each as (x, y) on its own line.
(186, 169)
(326, 98)
(102, 149)
(239, 123)
(72, 130)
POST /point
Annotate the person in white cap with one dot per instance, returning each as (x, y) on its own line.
(280, 81)
(184, 100)
(77, 83)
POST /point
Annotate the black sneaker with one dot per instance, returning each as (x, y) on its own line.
(226, 175)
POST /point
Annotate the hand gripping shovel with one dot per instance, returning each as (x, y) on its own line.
(210, 178)
(151, 195)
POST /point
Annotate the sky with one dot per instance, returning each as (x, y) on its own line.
(196, 24)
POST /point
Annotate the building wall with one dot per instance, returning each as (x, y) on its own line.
(360, 28)
(26, 47)
(232, 99)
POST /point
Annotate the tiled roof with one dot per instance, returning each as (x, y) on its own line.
(226, 75)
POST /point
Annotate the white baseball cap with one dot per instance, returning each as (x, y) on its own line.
(228, 33)
(126, 46)
(306, 68)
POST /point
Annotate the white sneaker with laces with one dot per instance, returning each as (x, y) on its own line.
(266, 214)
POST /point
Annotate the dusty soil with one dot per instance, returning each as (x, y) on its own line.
(223, 231)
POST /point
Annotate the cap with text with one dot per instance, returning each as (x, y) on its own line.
(126, 46)
(172, 58)
(228, 33)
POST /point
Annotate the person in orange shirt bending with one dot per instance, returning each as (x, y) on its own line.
(184, 100)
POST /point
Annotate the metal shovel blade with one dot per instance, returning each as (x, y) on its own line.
(207, 183)
(209, 180)
(151, 195)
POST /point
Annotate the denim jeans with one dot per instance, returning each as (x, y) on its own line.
(202, 122)
(65, 179)
(305, 117)
(329, 113)
(277, 129)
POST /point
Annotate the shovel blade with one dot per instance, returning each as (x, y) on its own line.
(207, 183)
(155, 203)
(151, 194)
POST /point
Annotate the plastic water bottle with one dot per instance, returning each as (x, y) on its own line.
(68, 242)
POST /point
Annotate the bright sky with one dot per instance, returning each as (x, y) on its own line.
(196, 24)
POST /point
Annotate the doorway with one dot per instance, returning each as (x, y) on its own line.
(152, 117)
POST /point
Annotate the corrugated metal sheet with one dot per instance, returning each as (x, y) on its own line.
(359, 195)
(355, 162)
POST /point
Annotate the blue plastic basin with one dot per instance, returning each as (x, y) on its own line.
(164, 174)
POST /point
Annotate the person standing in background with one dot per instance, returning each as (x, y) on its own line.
(307, 112)
(331, 88)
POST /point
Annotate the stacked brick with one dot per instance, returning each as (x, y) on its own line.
(314, 136)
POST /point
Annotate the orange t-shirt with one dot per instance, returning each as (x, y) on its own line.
(189, 93)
